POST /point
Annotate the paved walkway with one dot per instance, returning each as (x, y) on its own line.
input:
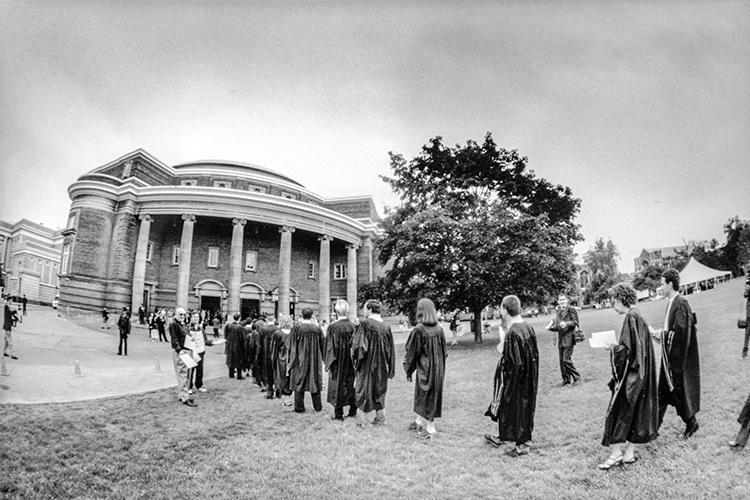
(48, 347)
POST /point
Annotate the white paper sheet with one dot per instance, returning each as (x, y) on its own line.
(188, 360)
(602, 340)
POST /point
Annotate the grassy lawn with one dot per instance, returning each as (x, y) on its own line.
(237, 444)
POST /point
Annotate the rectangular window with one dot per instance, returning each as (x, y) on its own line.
(72, 221)
(251, 261)
(188, 182)
(339, 271)
(311, 270)
(213, 256)
(149, 251)
(65, 259)
(175, 256)
(223, 184)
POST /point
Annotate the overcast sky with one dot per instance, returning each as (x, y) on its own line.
(642, 108)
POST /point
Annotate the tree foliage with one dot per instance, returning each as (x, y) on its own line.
(474, 224)
(601, 261)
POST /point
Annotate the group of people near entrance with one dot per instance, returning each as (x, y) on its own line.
(360, 359)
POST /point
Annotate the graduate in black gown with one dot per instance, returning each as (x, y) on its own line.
(425, 355)
(279, 355)
(263, 360)
(305, 366)
(744, 420)
(632, 415)
(338, 362)
(516, 377)
(680, 380)
(373, 356)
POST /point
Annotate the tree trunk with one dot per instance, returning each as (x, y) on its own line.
(477, 323)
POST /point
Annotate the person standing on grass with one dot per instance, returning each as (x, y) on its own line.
(199, 340)
(338, 362)
(305, 366)
(632, 413)
(178, 333)
(565, 324)
(123, 325)
(679, 380)
(454, 329)
(263, 362)
(516, 380)
(425, 354)
(234, 347)
(373, 356)
(747, 317)
(744, 420)
(280, 354)
(8, 351)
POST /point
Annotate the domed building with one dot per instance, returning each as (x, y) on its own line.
(211, 235)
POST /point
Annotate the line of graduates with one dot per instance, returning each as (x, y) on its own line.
(359, 358)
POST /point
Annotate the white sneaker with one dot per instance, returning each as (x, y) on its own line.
(190, 391)
(202, 389)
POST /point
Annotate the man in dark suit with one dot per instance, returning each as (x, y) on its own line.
(679, 381)
(565, 324)
(123, 324)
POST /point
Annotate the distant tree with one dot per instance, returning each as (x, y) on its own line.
(737, 249)
(601, 260)
(474, 225)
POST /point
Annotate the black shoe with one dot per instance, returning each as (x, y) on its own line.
(563, 383)
(119, 354)
(690, 429)
(494, 441)
(337, 417)
(190, 403)
(6, 355)
(13, 356)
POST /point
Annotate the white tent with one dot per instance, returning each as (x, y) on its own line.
(696, 273)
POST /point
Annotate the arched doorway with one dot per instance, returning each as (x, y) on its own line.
(251, 296)
(293, 299)
(211, 295)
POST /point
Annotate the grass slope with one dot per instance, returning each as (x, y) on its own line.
(237, 444)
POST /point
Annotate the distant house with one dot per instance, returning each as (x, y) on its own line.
(658, 256)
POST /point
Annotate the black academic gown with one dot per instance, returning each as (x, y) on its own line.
(516, 378)
(279, 354)
(338, 362)
(373, 356)
(633, 411)
(681, 361)
(263, 362)
(234, 348)
(306, 358)
(425, 354)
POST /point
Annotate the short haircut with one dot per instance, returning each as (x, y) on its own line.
(341, 307)
(286, 322)
(307, 313)
(373, 305)
(426, 313)
(236, 316)
(624, 293)
(511, 304)
(672, 276)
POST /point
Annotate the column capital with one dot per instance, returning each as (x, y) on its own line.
(145, 217)
(325, 237)
(239, 222)
(287, 229)
(188, 217)
(352, 246)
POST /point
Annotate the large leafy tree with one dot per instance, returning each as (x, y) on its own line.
(474, 224)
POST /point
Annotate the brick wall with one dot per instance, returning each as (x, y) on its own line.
(92, 241)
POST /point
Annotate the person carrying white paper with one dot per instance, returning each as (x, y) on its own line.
(177, 333)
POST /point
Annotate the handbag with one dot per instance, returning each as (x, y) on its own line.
(578, 336)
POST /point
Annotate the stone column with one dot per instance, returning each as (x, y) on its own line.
(285, 269)
(186, 248)
(351, 277)
(235, 266)
(139, 269)
(324, 278)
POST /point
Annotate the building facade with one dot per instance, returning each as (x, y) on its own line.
(30, 260)
(662, 256)
(212, 235)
